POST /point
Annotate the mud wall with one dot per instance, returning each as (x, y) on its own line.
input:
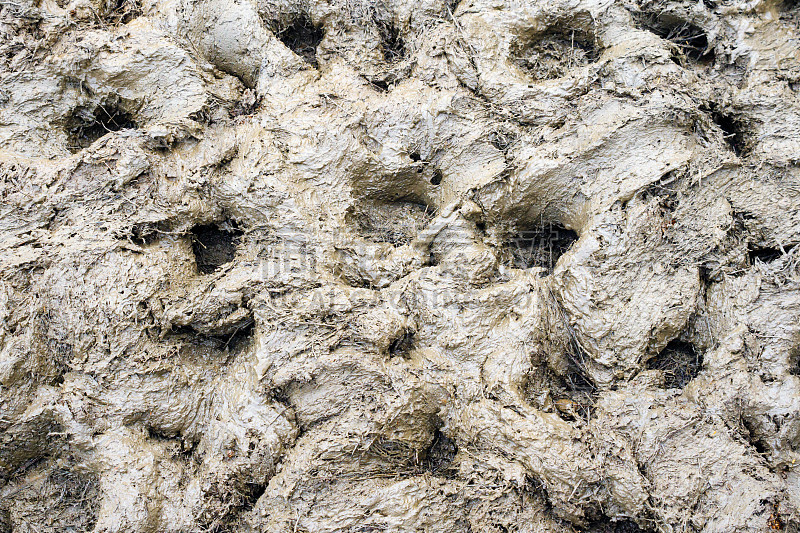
(365, 265)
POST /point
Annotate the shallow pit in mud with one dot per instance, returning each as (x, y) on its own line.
(767, 254)
(571, 396)
(790, 12)
(86, 125)
(192, 343)
(302, 38)
(733, 131)
(439, 457)
(680, 363)
(606, 525)
(214, 245)
(122, 11)
(556, 53)
(538, 245)
(396, 223)
(689, 39)
(402, 345)
(235, 499)
(392, 43)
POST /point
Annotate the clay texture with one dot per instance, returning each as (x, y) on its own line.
(376, 265)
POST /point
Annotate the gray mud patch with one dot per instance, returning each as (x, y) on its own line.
(381, 266)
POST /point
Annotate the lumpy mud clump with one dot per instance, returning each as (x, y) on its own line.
(477, 266)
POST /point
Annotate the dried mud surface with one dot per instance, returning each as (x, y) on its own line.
(375, 265)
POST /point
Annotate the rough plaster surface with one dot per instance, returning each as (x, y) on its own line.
(375, 265)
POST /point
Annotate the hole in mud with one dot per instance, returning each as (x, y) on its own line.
(253, 493)
(572, 396)
(392, 43)
(580, 397)
(382, 85)
(414, 156)
(765, 254)
(538, 246)
(758, 445)
(732, 131)
(240, 338)
(665, 190)
(246, 105)
(85, 126)
(214, 245)
(396, 223)
(680, 362)
(142, 236)
(158, 434)
(436, 179)
(439, 457)
(690, 39)
(402, 345)
(122, 11)
(451, 6)
(302, 38)
(281, 395)
(606, 525)
(233, 502)
(231, 342)
(554, 54)
(180, 446)
(28, 466)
